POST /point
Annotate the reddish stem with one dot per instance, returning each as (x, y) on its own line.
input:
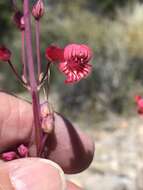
(23, 54)
(37, 121)
(46, 73)
(16, 73)
(37, 25)
(32, 78)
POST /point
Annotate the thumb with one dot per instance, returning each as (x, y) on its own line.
(32, 174)
(5, 183)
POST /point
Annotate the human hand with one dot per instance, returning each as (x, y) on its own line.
(71, 149)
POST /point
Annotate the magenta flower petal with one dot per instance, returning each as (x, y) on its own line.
(76, 50)
(5, 54)
(54, 53)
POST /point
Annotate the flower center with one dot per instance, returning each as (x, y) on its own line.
(77, 62)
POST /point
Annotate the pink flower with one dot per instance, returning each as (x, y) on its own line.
(74, 61)
(5, 54)
(19, 20)
(139, 102)
(38, 9)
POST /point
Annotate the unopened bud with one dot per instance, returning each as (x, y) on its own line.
(5, 54)
(19, 20)
(48, 123)
(8, 156)
(38, 9)
(22, 150)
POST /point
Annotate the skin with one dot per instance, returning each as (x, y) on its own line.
(66, 146)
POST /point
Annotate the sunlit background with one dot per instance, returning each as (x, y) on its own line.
(103, 104)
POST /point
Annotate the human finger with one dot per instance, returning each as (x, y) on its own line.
(68, 146)
(32, 174)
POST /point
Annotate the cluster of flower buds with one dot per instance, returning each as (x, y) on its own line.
(22, 151)
(37, 12)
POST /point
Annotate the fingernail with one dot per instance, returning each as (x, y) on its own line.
(37, 174)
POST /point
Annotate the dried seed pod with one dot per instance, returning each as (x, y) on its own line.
(48, 123)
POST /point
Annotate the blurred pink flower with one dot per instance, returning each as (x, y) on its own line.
(139, 101)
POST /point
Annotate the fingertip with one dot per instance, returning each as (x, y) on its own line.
(5, 183)
(67, 145)
(35, 174)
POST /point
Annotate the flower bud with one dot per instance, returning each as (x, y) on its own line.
(5, 54)
(8, 156)
(22, 150)
(54, 53)
(19, 20)
(38, 9)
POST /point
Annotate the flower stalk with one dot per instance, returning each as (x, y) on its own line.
(23, 54)
(73, 61)
(16, 73)
(37, 26)
(32, 77)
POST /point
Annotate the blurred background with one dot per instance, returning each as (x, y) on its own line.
(103, 104)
